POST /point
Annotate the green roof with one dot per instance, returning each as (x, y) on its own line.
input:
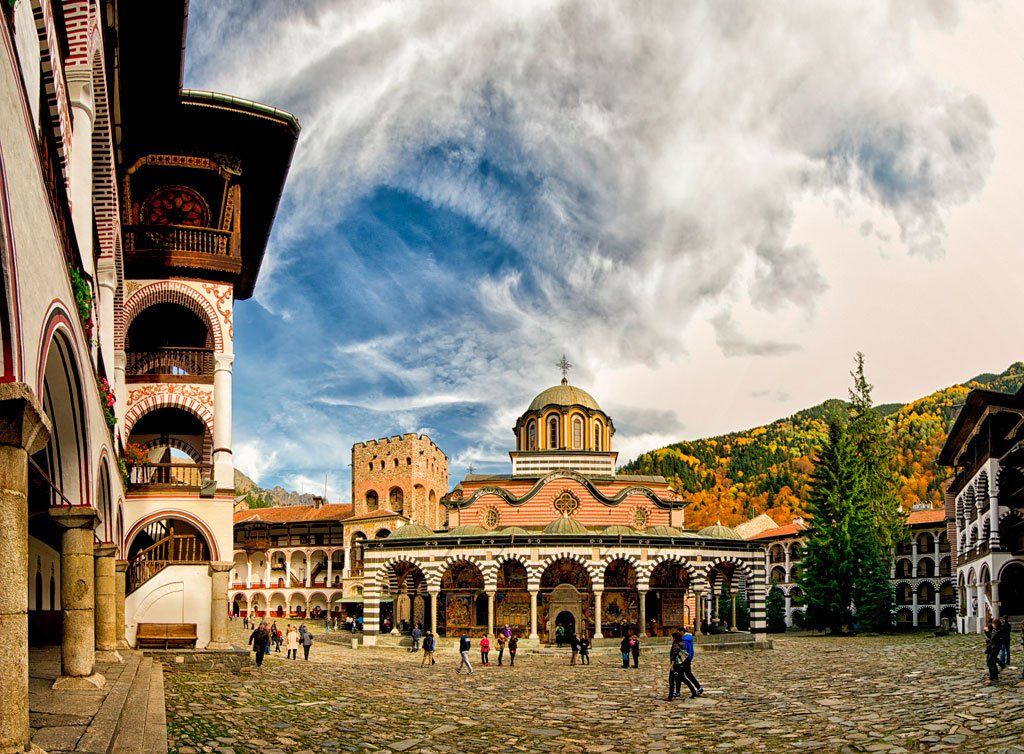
(467, 530)
(664, 531)
(411, 531)
(517, 530)
(619, 529)
(720, 532)
(565, 525)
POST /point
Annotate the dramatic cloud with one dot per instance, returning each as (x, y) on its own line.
(481, 185)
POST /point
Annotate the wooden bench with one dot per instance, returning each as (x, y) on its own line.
(166, 635)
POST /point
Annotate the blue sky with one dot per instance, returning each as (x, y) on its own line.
(707, 206)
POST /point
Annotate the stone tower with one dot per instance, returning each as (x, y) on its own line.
(407, 474)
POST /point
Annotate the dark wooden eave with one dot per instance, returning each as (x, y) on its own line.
(978, 406)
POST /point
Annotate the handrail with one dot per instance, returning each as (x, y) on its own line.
(174, 549)
(54, 489)
(189, 359)
(211, 241)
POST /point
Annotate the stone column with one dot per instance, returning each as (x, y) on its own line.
(81, 99)
(120, 385)
(266, 581)
(533, 613)
(490, 613)
(77, 598)
(598, 594)
(288, 571)
(698, 595)
(433, 611)
(223, 465)
(643, 612)
(995, 598)
(248, 573)
(732, 624)
(106, 277)
(120, 589)
(24, 429)
(106, 611)
(330, 569)
(219, 572)
(345, 568)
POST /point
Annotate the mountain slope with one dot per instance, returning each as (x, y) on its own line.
(259, 497)
(736, 476)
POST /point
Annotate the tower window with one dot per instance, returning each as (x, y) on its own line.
(553, 442)
(598, 436)
(372, 500)
(531, 436)
(577, 433)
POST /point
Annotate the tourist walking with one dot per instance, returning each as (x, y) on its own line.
(686, 671)
(584, 650)
(416, 634)
(485, 650)
(574, 645)
(513, 647)
(992, 656)
(464, 646)
(502, 640)
(634, 649)
(1005, 636)
(291, 642)
(428, 650)
(506, 632)
(260, 641)
(245, 622)
(624, 647)
(559, 635)
(675, 666)
(306, 637)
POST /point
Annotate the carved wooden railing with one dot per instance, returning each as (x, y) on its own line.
(38, 476)
(169, 474)
(178, 238)
(175, 549)
(193, 361)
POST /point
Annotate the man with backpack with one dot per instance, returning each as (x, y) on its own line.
(306, 639)
(428, 650)
(464, 646)
(686, 669)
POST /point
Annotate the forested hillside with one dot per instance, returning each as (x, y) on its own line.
(736, 476)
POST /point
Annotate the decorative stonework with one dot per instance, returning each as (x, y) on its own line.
(201, 394)
(567, 503)
(492, 518)
(640, 518)
(222, 296)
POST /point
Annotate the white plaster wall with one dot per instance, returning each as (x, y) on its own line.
(43, 557)
(178, 594)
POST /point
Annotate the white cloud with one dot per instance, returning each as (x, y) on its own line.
(254, 459)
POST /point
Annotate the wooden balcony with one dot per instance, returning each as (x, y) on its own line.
(176, 549)
(179, 364)
(178, 476)
(152, 248)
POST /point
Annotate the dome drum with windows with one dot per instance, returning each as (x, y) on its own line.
(564, 427)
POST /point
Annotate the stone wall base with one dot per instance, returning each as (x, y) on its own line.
(220, 660)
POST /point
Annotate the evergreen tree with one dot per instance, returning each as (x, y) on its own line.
(725, 604)
(875, 442)
(775, 609)
(879, 524)
(742, 612)
(830, 554)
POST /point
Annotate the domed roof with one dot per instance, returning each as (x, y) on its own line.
(411, 531)
(619, 529)
(565, 525)
(720, 532)
(467, 530)
(664, 531)
(517, 530)
(563, 395)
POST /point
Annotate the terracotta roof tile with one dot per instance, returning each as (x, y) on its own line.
(929, 516)
(789, 530)
(294, 514)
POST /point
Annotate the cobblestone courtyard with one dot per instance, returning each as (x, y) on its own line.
(908, 693)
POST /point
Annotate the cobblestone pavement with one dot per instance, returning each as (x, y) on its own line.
(815, 694)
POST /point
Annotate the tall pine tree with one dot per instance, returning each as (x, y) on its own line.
(879, 523)
(830, 554)
(775, 610)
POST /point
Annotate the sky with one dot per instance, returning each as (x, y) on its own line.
(708, 207)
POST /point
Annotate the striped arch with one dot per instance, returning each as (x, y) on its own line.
(171, 292)
(384, 572)
(601, 567)
(737, 563)
(587, 564)
(173, 442)
(168, 400)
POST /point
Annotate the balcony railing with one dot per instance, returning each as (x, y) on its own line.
(38, 477)
(176, 549)
(176, 475)
(173, 361)
(171, 238)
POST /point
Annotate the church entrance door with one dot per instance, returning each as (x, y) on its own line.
(565, 606)
(567, 621)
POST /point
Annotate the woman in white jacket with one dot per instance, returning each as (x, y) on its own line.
(291, 642)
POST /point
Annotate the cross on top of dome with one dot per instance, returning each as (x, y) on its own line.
(565, 366)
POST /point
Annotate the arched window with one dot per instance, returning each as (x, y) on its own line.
(598, 436)
(577, 433)
(553, 433)
(531, 436)
(371, 500)
(396, 500)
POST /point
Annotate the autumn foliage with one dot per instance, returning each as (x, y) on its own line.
(737, 476)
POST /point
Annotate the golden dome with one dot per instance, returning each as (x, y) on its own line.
(563, 395)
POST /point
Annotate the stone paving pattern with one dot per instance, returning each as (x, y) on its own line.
(911, 692)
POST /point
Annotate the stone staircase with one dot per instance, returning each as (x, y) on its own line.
(126, 716)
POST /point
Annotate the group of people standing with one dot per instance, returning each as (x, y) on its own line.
(505, 641)
(264, 637)
(998, 637)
